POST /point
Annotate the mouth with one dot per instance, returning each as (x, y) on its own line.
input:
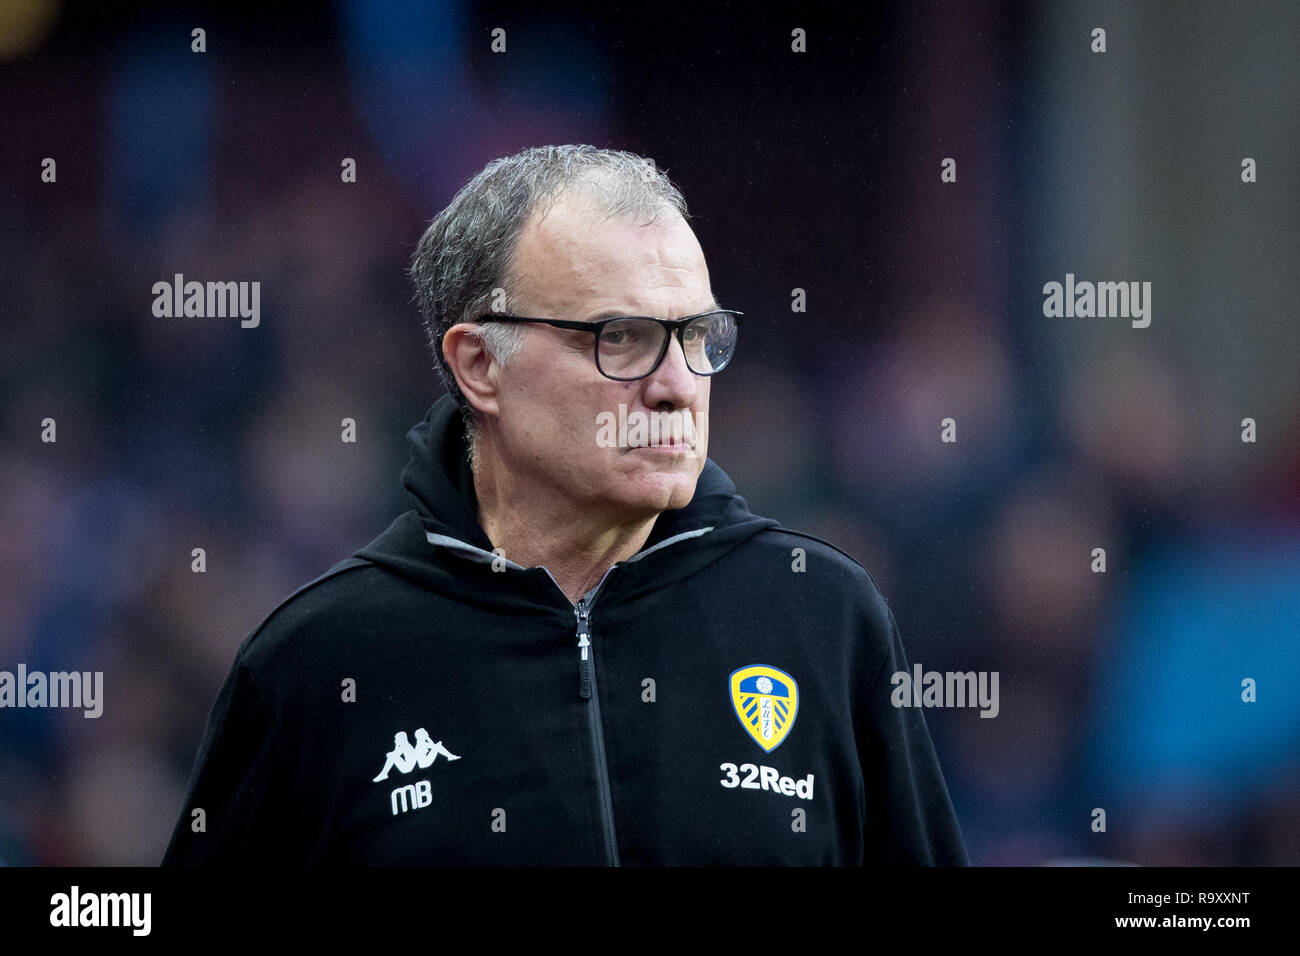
(669, 448)
(663, 433)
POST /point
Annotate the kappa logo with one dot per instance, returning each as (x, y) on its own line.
(766, 701)
(406, 757)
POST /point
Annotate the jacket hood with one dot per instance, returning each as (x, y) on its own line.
(441, 545)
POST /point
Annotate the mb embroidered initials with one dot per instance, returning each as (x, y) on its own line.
(405, 757)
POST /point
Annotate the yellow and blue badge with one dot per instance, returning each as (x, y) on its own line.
(766, 701)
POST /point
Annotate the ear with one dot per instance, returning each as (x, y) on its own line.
(476, 371)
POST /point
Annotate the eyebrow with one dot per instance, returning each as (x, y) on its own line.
(618, 314)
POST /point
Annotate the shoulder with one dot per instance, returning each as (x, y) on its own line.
(820, 572)
(815, 556)
(317, 616)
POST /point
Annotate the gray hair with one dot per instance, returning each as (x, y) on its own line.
(462, 265)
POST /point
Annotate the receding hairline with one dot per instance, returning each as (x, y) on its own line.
(593, 212)
(589, 196)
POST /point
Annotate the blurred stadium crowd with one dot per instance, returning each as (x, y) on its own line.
(1119, 690)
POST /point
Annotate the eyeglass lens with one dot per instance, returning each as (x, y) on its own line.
(629, 348)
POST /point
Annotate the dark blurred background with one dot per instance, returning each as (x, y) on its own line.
(817, 171)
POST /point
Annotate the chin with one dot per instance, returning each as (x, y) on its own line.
(650, 493)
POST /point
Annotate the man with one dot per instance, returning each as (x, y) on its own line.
(605, 656)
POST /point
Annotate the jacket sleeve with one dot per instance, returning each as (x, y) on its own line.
(238, 782)
(910, 817)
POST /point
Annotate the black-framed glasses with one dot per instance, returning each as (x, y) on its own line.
(632, 347)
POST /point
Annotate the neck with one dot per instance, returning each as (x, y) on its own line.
(535, 525)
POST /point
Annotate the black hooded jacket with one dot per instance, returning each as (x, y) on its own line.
(428, 702)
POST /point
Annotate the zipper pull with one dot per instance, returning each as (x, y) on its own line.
(584, 652)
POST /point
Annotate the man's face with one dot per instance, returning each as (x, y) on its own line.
(574, 266)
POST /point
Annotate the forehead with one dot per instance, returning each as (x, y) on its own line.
(574, 257)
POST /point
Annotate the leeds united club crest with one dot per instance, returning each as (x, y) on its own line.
(766, 701)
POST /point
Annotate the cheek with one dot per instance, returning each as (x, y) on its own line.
(569, 421)
(541, 404)
(702, 414)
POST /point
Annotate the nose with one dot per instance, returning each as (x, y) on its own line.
(672, 383)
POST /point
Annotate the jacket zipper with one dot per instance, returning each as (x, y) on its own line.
(586, 670)
(587, 691)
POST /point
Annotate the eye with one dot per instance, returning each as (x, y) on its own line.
(620, 337)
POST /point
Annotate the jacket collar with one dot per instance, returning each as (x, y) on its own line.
(441, 542)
